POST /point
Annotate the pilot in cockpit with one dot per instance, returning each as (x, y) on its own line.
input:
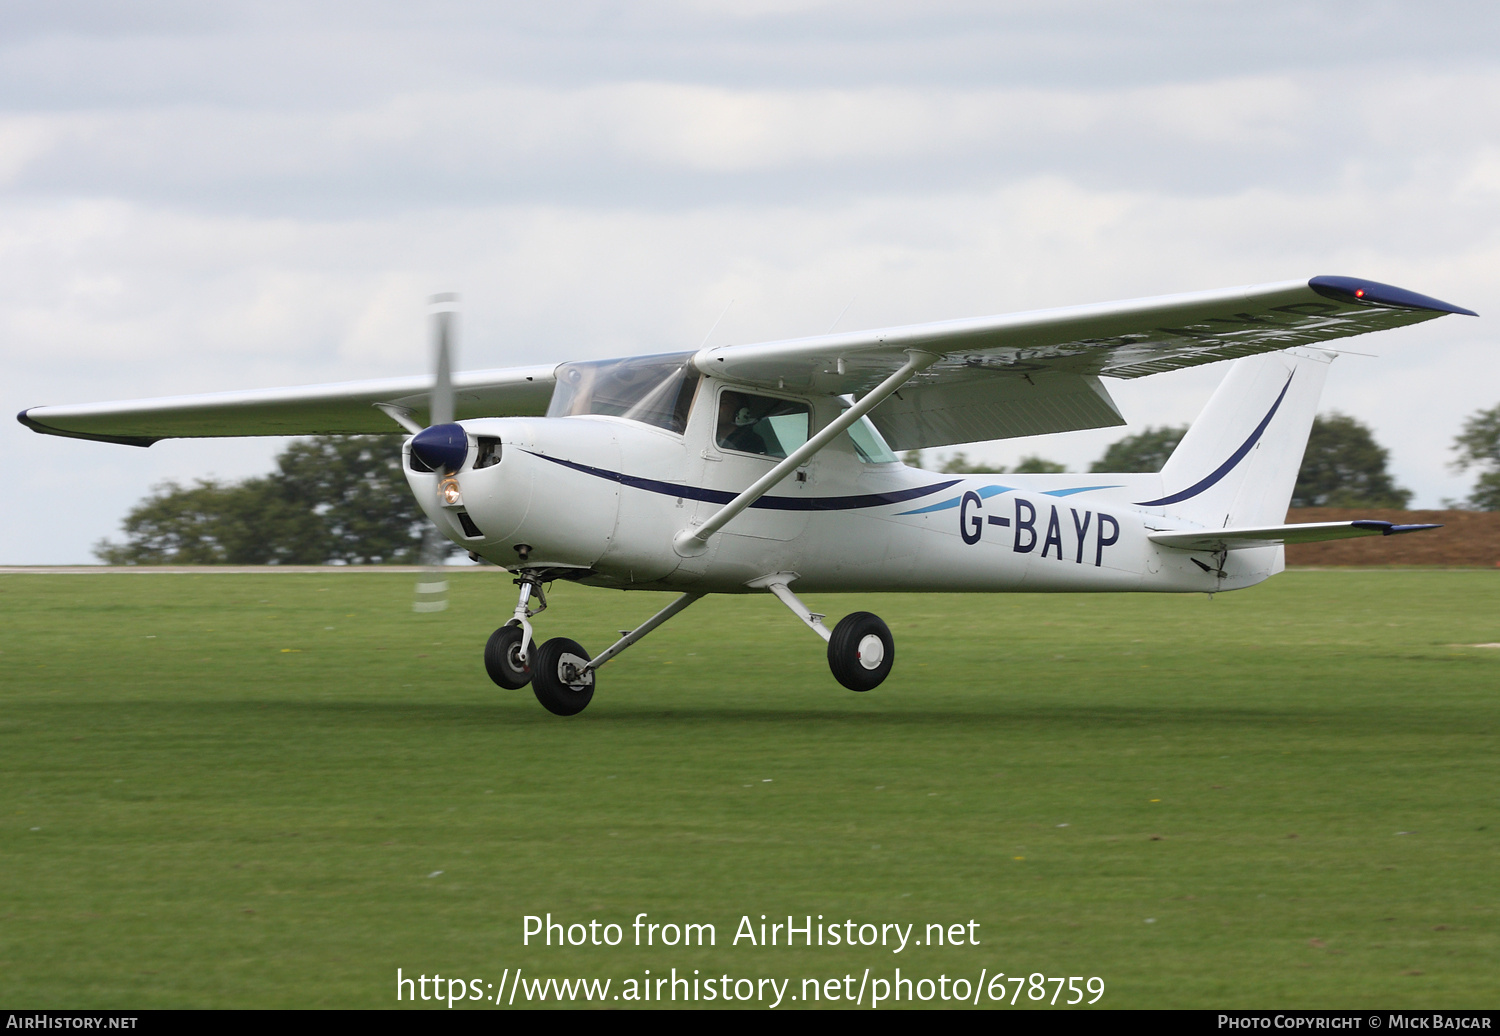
(736, 428)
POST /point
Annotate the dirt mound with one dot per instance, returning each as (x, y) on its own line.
(1467, 539)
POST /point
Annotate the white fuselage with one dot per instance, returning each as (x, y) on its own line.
(605, 496)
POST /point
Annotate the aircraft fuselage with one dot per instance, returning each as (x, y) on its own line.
(604, 496)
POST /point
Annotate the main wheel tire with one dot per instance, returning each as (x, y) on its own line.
(503, 661)
(558, 678)
(861, 651)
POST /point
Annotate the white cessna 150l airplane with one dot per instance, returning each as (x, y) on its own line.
(751, 468)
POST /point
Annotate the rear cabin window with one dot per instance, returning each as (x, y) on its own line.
(868, 443)
(655, 390)
(761, 424)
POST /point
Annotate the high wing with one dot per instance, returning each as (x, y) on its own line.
(1244, 538)
(345, 409)
(993, 377)
(1030, 373)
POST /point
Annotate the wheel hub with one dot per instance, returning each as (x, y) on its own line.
(572, 672)
(871, 652)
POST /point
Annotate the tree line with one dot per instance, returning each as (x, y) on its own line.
(331, 500)
(344, 499)
(1343, 467)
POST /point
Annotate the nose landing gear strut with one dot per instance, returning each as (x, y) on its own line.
(511, 650)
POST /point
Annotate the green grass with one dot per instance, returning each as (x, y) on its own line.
(233, 790)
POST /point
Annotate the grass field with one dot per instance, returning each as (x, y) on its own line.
(275, 790)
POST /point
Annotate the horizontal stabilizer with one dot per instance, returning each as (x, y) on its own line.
(1216, 540)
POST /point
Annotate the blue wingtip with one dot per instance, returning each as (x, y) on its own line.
(1373, 293)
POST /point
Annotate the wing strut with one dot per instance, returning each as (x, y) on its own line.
(692, 541)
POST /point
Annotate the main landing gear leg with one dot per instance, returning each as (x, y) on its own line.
(563, 678)
(861, 649)
(627, 639)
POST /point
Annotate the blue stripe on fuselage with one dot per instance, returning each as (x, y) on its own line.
(985, 492)
(769, 503)
(1079, 489)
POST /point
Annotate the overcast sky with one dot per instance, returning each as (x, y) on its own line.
(200, 197)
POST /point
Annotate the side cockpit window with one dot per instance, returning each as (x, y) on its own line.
(761, 424)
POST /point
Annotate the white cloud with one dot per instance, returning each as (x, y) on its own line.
(665, 143)
(193, 239)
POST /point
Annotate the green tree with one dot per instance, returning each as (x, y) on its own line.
(332, 499)
(1147, 451)
(1478, 446)
(355, 485)
(1034, 465)
(959, 464)
(1345, 467)
(210, 523)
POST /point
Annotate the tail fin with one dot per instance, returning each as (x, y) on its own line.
(1238, 463)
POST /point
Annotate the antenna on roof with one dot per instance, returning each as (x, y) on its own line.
(841, 315)
(716, 324)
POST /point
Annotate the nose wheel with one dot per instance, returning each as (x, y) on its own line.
(504, 659)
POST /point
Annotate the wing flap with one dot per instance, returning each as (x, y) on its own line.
(988, 406)
(341, 409)
(1216, 540)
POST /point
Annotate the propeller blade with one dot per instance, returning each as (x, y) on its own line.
(432, 585)
(441, 400)
(443, 446)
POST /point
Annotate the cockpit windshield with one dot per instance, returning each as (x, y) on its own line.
(657, 390)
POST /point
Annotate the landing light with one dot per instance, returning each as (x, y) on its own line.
(452, 495)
